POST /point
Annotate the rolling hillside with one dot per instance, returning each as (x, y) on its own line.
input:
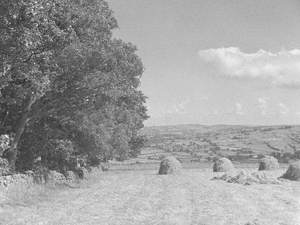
(240, 143)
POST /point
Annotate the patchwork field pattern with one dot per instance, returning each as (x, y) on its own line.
(239, 143)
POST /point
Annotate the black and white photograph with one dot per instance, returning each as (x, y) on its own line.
(149, 112)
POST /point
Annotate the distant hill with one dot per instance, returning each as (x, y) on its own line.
(240, 143)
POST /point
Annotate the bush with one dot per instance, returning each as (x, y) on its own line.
(104, 166)
(59, 155)
(71, 176)
(93, 160)
(135, 144)
(4, 143)
(4, 167)
(54, 177)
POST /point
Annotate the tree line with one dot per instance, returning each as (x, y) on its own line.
(68, 89)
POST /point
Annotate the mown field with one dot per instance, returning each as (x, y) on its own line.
(131, 192)
(140, 196)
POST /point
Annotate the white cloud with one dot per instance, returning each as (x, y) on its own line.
(283, 109)
(263, 105)
(239, 109)
(281, 68)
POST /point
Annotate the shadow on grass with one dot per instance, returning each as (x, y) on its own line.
(25, 195)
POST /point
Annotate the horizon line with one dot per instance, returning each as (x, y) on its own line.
(220, 124)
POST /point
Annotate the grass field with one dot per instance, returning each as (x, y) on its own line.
(141, 196)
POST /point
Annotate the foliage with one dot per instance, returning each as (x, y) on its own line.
(32, 35)
(135, 145)
(4, 143)
(57, 155)
(67, 87)
(4, 168)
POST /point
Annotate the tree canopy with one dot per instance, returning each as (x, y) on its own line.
(67, 87)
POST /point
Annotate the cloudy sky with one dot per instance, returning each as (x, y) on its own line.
(216, 61)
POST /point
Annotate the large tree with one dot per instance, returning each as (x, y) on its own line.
(73, 81)
(32, 34)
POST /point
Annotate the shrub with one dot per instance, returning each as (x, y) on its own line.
(104, 166)
(4, 143)
(135, 144)
(58, 155)
(71, 176)
(93, 160)
(54, 177)
(4, 166)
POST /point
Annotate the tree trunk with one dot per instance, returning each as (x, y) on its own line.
(12, 152)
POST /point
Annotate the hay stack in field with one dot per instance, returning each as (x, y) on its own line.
(268, 163)
(293, 172)
(169, 165)
(247, 178)
(223, 165)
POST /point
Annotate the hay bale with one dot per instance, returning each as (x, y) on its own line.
(293, 172)
(268, 163)
(223, 165)
(169, 165)
(247, 178)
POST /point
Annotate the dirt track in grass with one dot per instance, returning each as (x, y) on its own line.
(142, 197)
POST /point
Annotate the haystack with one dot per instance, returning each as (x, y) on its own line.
(247, 178)
(223, 165)
(268, 163)
(293, 172)
(169, 165)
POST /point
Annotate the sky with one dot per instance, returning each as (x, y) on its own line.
(216, 61)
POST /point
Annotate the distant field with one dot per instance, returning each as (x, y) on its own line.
(141, 197)
(239, 143)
